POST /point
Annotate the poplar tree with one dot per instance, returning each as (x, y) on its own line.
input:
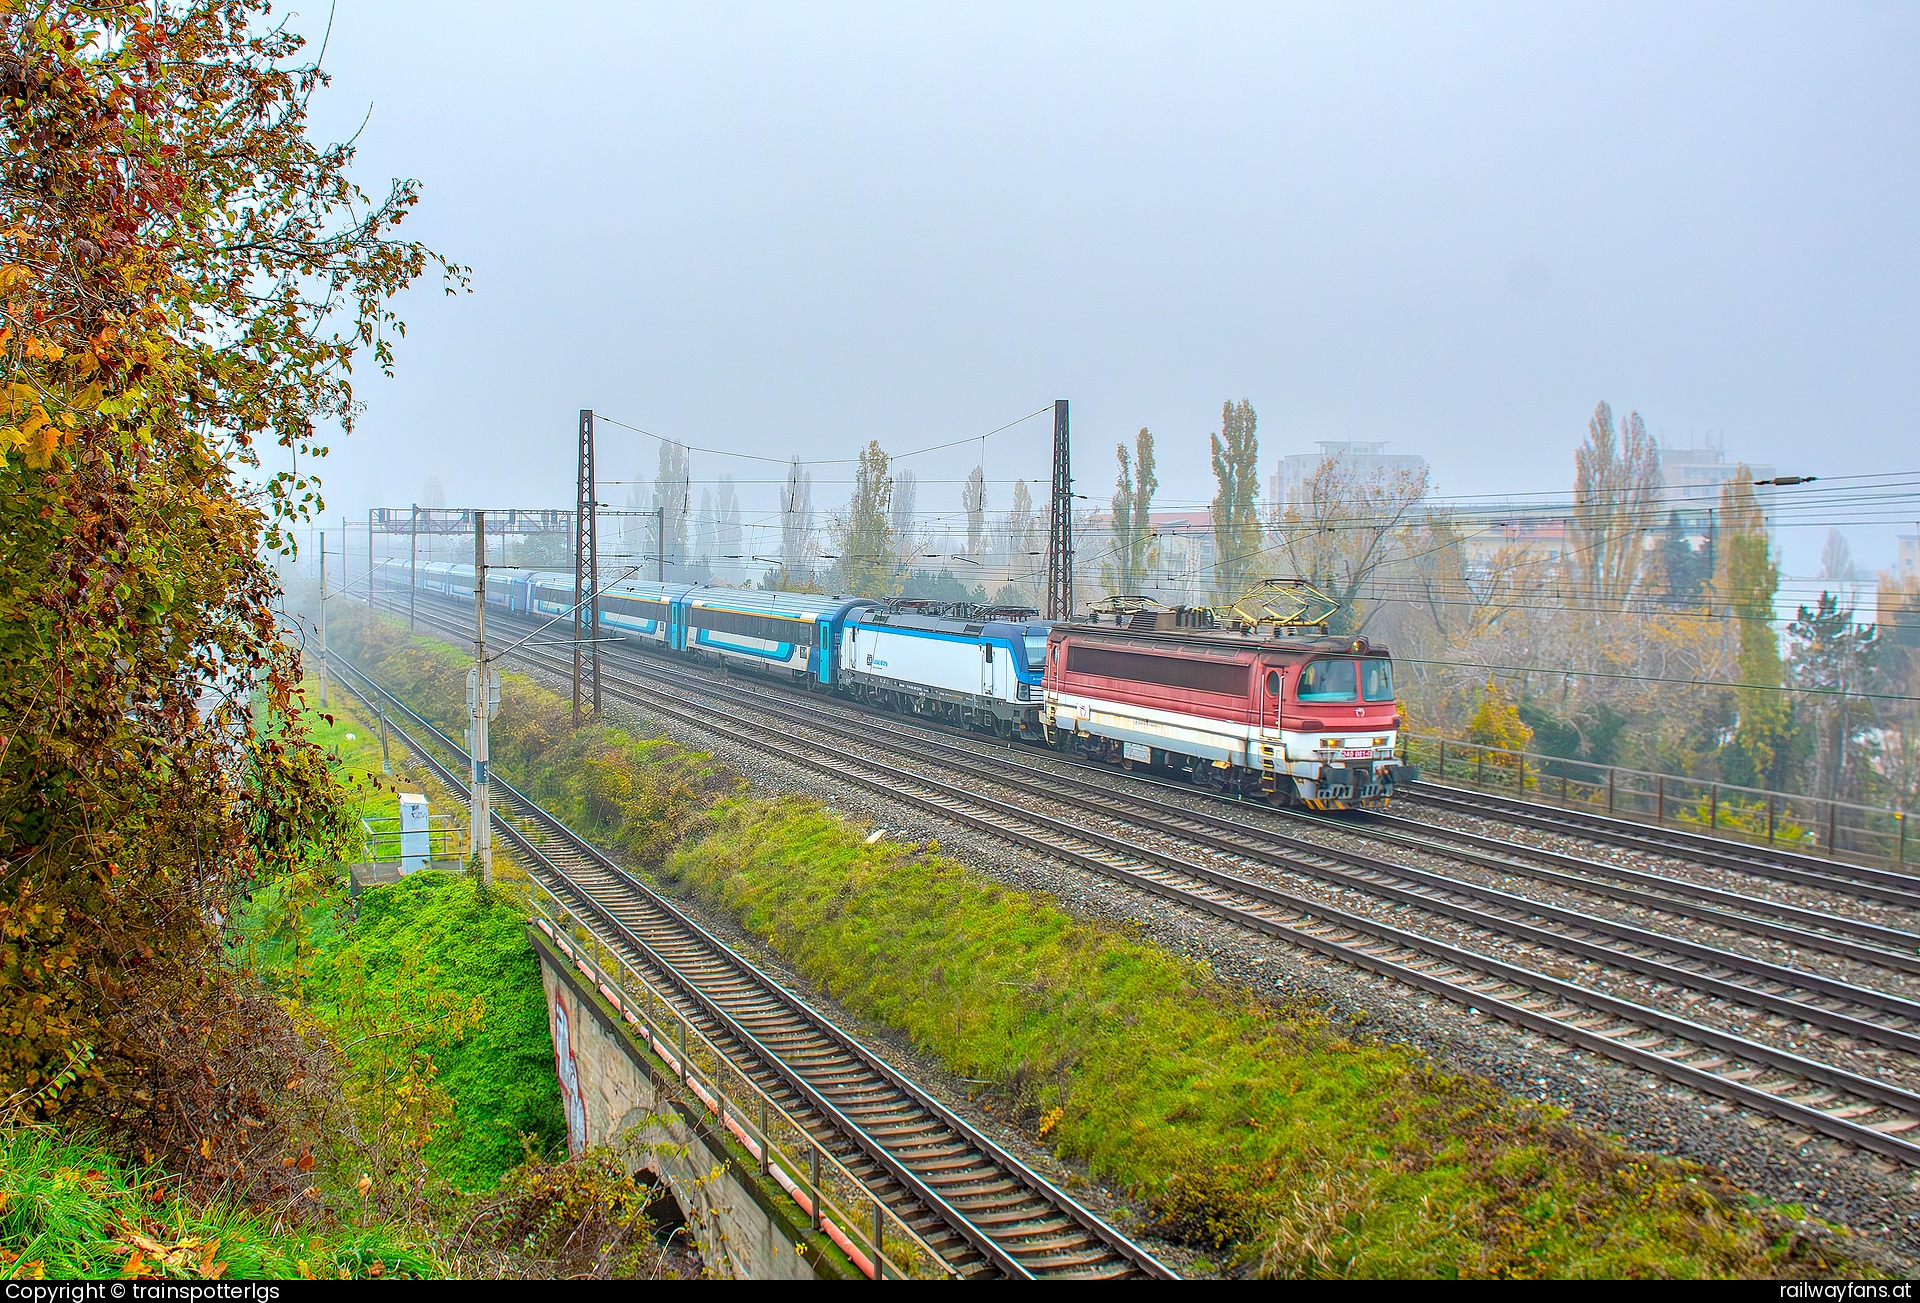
(796, 527)
(635, 531)
(1132, 517)
(906, 503)
(729, 538)
(973, 499)
(1750, 577)
(670, 498)
(1616, 500)
(1020, 535)
(863, 535)
(1235, 510)
(706, 526)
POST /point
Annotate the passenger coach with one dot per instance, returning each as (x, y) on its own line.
(794, 633)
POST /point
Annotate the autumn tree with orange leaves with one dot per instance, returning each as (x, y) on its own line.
(185, 279)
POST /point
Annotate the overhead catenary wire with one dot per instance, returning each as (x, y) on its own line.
(1554, 672)
(822, 461)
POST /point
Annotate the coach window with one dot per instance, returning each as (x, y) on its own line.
(1376, 680)
(1327, 681)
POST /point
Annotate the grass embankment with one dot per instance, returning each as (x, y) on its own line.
(1261, 1133)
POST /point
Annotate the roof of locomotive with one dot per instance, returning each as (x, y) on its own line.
(1217, 640)
(985, 624)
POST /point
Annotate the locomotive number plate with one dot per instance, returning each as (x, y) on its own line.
(1357, 753)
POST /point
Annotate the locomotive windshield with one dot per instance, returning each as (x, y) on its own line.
(1327, 681)
(1376, 680)
(1036, 648)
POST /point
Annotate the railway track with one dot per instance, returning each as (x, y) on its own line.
(1865, 1014)
(1823, 930)
(1886, 885)
(1891, 947)
(980, 1209)
(1241, 839)
(1821, 1097)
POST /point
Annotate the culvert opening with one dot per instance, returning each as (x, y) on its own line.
(669, 1222)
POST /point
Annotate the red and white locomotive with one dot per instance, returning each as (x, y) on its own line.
(1252, 707)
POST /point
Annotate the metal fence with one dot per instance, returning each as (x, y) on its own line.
(838, 1203)
(1805, 824)
(444, 838)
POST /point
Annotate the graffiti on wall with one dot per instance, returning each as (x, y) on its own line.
(570, 1096)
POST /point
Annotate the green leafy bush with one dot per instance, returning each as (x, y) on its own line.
(432, 981)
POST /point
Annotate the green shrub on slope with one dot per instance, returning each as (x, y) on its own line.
(428, 969)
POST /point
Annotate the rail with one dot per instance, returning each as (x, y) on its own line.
(812, 1177)
(1806, 825)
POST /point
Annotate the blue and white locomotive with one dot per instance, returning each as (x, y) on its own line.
(964, 664)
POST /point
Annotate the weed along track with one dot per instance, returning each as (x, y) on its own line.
(979, 1209)
(1831, 876)
(1351, 905)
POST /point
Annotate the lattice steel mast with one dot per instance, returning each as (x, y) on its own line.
(586, 577)
(1060, 523)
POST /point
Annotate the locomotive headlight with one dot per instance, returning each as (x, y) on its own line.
(1329, 742)
(1379, 741)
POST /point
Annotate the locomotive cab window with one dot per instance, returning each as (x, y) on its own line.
(1376, 680)
(1273, 683)
(1327, 681)
(1036, 649)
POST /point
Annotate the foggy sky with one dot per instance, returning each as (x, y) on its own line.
(796, 228)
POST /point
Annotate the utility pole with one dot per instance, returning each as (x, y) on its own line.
(1060, 523)
(323, 619)
(413, 565)
(586, 574)
(369, 558)
(480, 703)
(660, 544)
